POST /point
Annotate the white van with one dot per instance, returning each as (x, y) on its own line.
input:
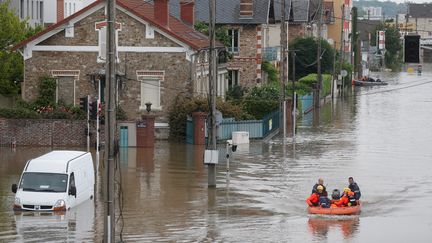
(56, 181)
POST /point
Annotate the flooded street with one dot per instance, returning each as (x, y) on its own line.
(381, 136)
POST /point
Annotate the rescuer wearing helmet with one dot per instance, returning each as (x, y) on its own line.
(319, 183)
(344, 201)
(313, 200)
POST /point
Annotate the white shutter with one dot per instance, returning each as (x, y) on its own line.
(102, 44)
(150, 92)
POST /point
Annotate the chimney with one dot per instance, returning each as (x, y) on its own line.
(161, 12)
(246, 8)
(60, 10)
(187, 13)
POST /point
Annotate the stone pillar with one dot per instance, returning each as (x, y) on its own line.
(198, 119)
(146, 131)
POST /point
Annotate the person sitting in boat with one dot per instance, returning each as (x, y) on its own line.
(344, 201)
(313, 200)
(324, 201)
(319, 183)
(354, 188)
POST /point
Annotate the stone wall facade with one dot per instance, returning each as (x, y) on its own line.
(248, 58)
(175, 66)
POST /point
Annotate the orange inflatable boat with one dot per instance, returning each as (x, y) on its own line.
(336, 211)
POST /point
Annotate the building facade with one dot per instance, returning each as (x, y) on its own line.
(157, 56)
(46, 12)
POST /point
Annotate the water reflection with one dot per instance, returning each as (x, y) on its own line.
(74, 225)
(320, 227)
(383, 140)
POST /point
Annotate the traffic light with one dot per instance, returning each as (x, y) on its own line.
(412, 48)
(93, 109)
(83, 102)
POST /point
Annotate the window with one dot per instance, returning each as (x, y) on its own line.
(101, 27)
(37, 10)
(150, 92)
(233, 78)
(65, 89)
(234, 45)
(151, 86)
(28, 8)
(41, 13)
(43, 182)
(22, 9)
(32, 10)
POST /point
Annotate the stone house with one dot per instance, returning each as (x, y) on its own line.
(254, 28)
(157, 56)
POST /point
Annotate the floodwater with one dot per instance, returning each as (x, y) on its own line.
(381, 136)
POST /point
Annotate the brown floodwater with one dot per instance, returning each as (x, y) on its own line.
(381, 136)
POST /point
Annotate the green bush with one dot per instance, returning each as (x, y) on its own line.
(235, 93)
(271, 71)
(265, 92)
(185, 105)
(258, 108)
(311, 81)
(18, 113)
(47, 91)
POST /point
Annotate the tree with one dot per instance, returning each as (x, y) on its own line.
(12, 31)
(306, 53)
(393, 45)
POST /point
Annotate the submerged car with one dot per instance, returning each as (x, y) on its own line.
(56, 181)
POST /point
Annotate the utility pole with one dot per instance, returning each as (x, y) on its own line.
(334, 72)
(212, 89)
(109, 226)
(283, 68)
(319, 76)
(342, 45)
(294, 110)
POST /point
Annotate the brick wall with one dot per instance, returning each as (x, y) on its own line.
(32, 132)
(42, 132)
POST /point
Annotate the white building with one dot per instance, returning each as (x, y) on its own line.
(372, 12)
(46, 12)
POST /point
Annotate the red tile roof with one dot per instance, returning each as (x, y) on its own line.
(176, 27)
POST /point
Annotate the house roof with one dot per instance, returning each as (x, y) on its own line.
(143, 10)
(327, 10)
(420, 10)
(278, 9)
(300, 10)
(367, 26)
(228, 12)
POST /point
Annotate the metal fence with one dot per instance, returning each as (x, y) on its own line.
(257, 129)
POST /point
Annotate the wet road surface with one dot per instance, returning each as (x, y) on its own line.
(381, 136)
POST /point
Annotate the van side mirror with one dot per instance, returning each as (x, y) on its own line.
(72, 191)
(14, 188)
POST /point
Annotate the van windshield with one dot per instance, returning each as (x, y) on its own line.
(44, 182)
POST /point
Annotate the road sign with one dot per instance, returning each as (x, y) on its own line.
(344, 73)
